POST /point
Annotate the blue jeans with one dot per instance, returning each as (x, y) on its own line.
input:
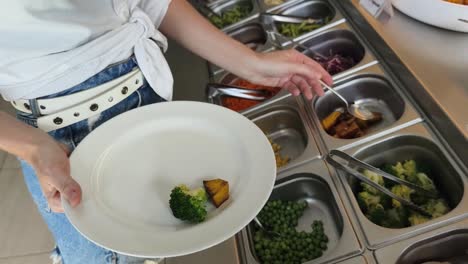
(71, 246)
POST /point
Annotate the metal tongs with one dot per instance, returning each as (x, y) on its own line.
(274, 35)
(215, 89)
(355, 173)
(294, 19)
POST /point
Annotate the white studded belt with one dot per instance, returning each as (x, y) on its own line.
(59, 112)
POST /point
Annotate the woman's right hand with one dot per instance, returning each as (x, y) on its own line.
(50, 161)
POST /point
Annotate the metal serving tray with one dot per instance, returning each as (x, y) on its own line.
(359, 260)
(307, 9)
(437, 245)
(286, 125)
(249, 29)
(345, 40)
(267, 8)
(339, 39)
(414, 142)
(247, 33)
(220, 6)
(367, 83)
(311, 182)
(228, 78)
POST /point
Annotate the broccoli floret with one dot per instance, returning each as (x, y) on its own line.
(367, 200)
(188, 205)
(416, 219)
(403, 191)
(396, 218)
(410, 169)
(373, 177)
(399, 170)
(405, 171)
(436, 207)
(424, 181)
(376, 213)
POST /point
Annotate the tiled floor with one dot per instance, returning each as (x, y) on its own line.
(24, 236)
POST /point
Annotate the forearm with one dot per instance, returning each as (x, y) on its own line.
(19, 139)
(186, 26)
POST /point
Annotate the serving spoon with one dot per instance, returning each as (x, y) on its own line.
(270, 232)
(356, 110)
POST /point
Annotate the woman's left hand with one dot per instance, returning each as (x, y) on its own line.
(289, 69)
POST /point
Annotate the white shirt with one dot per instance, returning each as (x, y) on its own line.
(47, 46)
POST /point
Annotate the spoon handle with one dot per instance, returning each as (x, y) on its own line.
(335, 92)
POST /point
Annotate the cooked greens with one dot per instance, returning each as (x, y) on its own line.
(188, 205)
(384, 211)
(233, 15)
(294, 30)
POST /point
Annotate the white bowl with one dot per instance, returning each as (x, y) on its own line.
(438, 13)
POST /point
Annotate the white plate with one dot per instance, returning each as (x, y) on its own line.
(128, 166)
(438, 13)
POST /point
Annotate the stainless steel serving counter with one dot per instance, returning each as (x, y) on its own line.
(438, 58)
(430, 63)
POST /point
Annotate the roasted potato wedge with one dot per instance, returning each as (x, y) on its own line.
(213, 186)
(329, 121)
(218, 190)
(221, 196)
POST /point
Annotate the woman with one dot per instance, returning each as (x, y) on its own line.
(67, 66)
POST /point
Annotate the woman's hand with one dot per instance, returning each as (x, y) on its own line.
(289, 69)
(52, 166)
(48, 158)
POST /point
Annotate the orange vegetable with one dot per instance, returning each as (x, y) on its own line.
(239, 104)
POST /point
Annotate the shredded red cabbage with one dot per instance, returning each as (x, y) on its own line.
(335, 63)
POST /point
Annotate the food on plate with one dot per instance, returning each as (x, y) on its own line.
(292, 246)
(233, 15)
(387, 212)
(280, 159)
(294, 30)
(188, 205)
(273, 2)
(335, 63)
(461, 2)
(218, 190)
(341, 124)
(240, 104)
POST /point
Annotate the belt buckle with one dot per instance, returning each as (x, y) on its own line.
(34, 106)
